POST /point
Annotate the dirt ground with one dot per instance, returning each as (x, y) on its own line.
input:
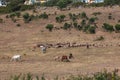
(20, 40)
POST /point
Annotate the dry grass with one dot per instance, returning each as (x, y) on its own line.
(20, 40)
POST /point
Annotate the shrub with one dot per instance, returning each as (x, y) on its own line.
(26, 7)
(18, 14)
(85, 28)
(83, 22)
(117, 27)
(108, 27)
(66, 26)
(60, 18)
(83, 15)
(70, 15)
(7, 16)
(12, 15)
(110, 17)
(75, 24)
(57, 19)
(92, 20)
(18, 25)
(77, 4)
(4, 10)
(26, 17)
(49, 27)
(63, 3)
(91, 29)
(44, 15)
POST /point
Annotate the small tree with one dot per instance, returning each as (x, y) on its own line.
(49, 27)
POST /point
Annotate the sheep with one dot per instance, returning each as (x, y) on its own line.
(43, 48)
(16, 58)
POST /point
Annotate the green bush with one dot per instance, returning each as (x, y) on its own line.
(83, 15)
(63, 3)
(18, 14)
(44, 15)
(92, 29)
(117, 27)
(108, 27)
(103, 75)
(92, 20)
(26, 17)
(4, 10)
(60, 18)
(85, 28)
(26, 7)
(83, 22)
(73, 17)
(66, 26)
(75, 24)
(49, 27)
(12, 15)
(77, 4)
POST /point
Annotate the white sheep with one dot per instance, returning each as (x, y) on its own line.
(16, 58)
(43, 48)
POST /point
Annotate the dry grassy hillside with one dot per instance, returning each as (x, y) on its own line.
(20, 40)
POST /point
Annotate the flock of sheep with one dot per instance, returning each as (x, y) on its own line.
(57, 58)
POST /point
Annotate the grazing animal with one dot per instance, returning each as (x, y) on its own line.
(65, 59)
(16, 58)
(43, 48)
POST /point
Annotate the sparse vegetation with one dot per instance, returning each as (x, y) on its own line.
(49, 27)
(43, 15)
(26, 17)
(66, 26)
(83, 15)
(104, 75)
(18, 25)
(117, 27)
(101, 38)
(108, 27)
(96, 13)
(1, 20)
(60, 18)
